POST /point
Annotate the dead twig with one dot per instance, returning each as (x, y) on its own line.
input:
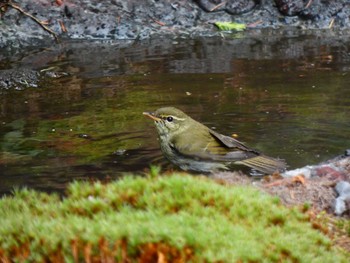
(63, 27)
(218, 6)
(18, 8)
(255, 23)
(308, 4)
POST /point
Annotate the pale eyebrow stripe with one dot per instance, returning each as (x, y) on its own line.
(177, 118)
(174, 117)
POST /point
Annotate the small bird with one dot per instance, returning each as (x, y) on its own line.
(193, 146)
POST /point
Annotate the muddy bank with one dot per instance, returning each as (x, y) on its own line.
(317, 186)
(323, 190)
(117, 19)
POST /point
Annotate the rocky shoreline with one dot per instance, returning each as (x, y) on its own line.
(29, 23)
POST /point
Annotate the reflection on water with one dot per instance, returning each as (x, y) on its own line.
(286, 96)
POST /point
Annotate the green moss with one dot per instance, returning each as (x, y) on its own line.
(214, 222)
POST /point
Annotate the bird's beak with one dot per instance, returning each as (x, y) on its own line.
(151, 115)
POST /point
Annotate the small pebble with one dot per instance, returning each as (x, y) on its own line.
(120, 152)
(84, 136)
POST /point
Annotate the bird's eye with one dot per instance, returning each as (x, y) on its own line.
(169, 119)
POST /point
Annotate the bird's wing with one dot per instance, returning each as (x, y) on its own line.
(223, 148)
(230, 142)
(214, 147)
(253, 158)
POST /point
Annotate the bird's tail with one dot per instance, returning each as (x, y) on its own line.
(264, 164)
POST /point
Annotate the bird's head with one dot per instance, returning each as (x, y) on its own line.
(169, 120)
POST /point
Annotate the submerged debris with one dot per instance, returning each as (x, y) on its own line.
(21, 78)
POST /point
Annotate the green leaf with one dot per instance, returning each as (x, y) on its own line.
(229, 26)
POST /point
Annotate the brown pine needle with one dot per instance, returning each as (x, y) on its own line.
(218, 6)
(308, 4)
(254, 24)
(63, 27)
(157, 21)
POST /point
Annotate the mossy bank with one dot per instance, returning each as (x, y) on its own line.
(173, 218)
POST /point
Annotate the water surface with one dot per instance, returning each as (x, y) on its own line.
(286, 95)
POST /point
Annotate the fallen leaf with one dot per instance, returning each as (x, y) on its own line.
(230, 26)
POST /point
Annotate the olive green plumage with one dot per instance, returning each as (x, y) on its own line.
(195, 147)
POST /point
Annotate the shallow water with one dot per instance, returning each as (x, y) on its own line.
(288, 96)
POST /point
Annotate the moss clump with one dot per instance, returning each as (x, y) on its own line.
(170, 218)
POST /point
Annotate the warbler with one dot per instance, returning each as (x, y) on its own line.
(193, 146)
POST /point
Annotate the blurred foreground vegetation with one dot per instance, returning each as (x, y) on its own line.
(170, 218)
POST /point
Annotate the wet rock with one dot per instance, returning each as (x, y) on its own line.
(323, 10)
(343, 200)
(323, 13)
(135, 19)
(212, 5)
(290, 7)
(343, 16)
(233, 7)
(335, 169)
(240, 7)
(18, 79)
(21, 78)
